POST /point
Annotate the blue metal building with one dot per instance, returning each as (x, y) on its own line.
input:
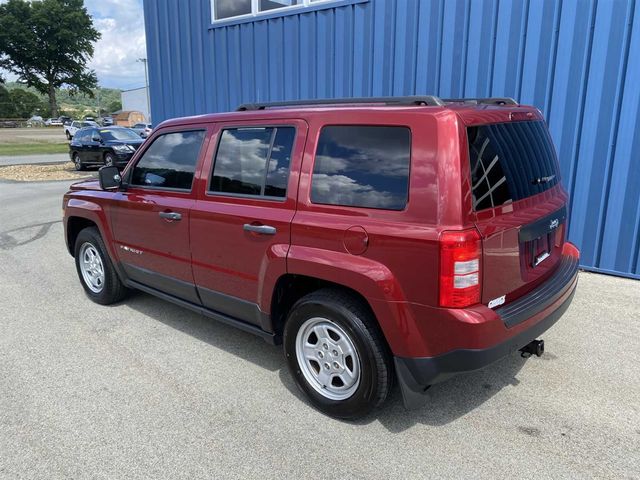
(576, 60)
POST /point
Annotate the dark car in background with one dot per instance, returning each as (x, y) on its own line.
(111, 146)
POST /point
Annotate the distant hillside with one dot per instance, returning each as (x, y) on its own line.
(79, 105)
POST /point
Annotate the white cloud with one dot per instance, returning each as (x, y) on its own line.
(121, 23)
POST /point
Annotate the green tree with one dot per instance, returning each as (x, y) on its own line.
(6, 105)
(48, 43)
(24, 103)
(115, 106)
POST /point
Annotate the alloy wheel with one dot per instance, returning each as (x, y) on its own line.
(328, 358)
(91, 267)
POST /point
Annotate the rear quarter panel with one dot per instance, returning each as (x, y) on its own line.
(400, 263)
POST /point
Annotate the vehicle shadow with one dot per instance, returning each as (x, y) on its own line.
(444, 402)
(232, 340)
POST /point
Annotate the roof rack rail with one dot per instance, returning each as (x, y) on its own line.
(483, 101)
(428, 100)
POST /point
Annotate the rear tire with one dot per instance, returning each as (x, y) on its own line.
(337, 354)
(95, 269)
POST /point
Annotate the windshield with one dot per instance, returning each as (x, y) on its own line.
(119, 134)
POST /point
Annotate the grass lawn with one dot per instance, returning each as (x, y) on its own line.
(32, 148)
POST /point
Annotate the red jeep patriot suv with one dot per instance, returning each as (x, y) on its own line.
(378, 239)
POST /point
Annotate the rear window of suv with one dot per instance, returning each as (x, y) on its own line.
(509, 162)
(362, 166)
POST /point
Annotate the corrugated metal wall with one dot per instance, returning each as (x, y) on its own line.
(576, 60)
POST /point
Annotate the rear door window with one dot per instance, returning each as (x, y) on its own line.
(362, 166)
(509, 162)
(253, 161)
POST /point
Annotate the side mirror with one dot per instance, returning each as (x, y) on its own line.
(109, 178)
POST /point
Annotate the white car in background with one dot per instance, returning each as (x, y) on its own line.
(142, 129)
(53, 122)
(71, 129)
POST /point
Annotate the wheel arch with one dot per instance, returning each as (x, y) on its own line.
(75, 225)
(290, 288)
(82, 213)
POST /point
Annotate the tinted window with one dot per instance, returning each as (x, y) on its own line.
(242, 158)
(279, 161)
(273, 4)
(231, 8)
(362, 166)
(510, 161)
(170, 161)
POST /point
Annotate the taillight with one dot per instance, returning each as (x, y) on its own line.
(459, 268)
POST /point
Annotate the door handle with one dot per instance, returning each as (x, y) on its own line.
(170, 215)
(262, 229)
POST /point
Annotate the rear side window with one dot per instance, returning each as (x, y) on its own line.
(509, 162)
(170, 161)
(253, 161)
(362, 166)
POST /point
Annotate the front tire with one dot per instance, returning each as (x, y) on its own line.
(337, 354)
(95, 270)
(68, 136)
(77, 163)
(109, 160)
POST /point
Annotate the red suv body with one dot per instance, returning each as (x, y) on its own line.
(423, 237)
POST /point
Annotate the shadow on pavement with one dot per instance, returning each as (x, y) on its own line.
(445, 402)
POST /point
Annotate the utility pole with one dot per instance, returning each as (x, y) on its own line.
(146, 80)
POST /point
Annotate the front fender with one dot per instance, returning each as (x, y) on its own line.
(92, 211)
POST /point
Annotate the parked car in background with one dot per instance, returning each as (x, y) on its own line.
(143, 129)
(110, 146)
(379, 240)
(53, 122)
(35, 121)
(106, 121)
(65, 120)
(71, 129)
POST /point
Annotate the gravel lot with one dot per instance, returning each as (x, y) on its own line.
(30, 173)
(145, 389)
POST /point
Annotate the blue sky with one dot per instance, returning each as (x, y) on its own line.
(121, 24)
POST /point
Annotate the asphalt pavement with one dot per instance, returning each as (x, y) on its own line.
(145, 389)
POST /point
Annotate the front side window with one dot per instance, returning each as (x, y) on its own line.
(253, 161)
(81, 136)
(362, 166)
(170, 161)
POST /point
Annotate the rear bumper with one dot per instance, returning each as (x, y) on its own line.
(527, 318)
